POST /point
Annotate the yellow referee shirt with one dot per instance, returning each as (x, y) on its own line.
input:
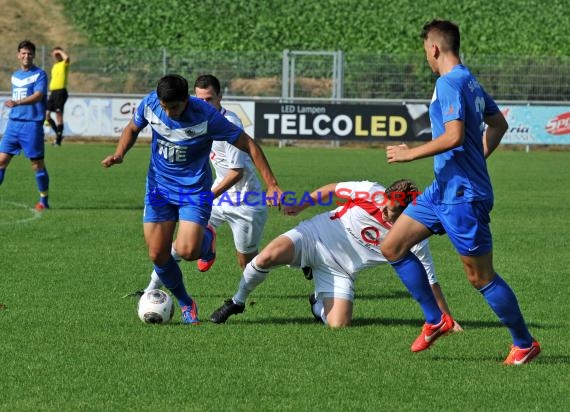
(59, 73)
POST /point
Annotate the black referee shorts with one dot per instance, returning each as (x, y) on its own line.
(56, 100)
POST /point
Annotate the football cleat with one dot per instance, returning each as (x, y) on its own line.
(312, 301)
(40, 207)
(228, 309)
(307, 272)
(431, 332)
(205, 265)
(190, 314)
(135, 294)
(520, 356)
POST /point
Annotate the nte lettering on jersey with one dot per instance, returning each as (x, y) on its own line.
(172, 152)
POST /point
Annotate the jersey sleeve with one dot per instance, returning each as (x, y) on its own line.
(236, 158)
(220, 128)
(353, 190)
(491, 107)
(42, 83)
(450, 100)
(421, 250)
(139, 118)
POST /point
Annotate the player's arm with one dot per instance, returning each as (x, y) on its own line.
(248, 145)
(31, 99)
(231, 178)
(319, 196)
(496, 128)
(64, 55)
(450, 139)
(126, 141)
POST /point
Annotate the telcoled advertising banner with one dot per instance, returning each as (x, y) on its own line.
(363, 122)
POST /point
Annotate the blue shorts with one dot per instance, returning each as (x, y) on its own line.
(466, 224)
(24, 136)
(169, 212)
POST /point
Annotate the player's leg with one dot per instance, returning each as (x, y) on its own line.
(196, 238)
(474, 244)
(4, 162)
(9, 147)
(32, 140)
(246, 224)
(60, 100)
(338, 312)
(332, 300)
(417, 223)
(405, 233)
(159, 226)
(279, 251)
(42, 181)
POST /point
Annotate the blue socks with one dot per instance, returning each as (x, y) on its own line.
(171, 275)
(503, 301)
(413, 275)
(42, 179)
(2, 172)
(206, 252)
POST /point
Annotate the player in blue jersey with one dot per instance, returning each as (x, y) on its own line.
(179, 178)
(235, 176)
(467, 126)
(24, 131)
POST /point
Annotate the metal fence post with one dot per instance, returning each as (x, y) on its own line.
(285, 75)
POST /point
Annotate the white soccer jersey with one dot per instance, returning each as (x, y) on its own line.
(224, 157)
(353, 232)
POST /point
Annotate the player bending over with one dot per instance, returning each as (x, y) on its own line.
(334, 246)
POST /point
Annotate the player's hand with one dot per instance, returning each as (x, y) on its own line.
(456, 327)
(293, 210)
(112, 160)
(273, 196)
(398, 153)
(10, 103)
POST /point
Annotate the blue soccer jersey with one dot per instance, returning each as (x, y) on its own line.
(461, 173)
(179, 165)
(24, 84)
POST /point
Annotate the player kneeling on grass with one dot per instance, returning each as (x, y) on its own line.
(333, 247)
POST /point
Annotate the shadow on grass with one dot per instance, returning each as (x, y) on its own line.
(363, 322)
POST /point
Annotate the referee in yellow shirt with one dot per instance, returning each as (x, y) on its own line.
(57, 92)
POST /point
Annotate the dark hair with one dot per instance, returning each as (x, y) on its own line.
(26, 44)
(405, 186)
(448, 32)
(172, 88)
(206, 80)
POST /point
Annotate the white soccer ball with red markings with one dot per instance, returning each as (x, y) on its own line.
(155, 306)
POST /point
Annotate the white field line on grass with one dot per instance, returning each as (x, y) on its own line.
(35, 214)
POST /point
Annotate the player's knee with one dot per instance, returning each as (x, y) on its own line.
(389, 251)
(265, 259)
(338, 322)
(158, 257)
(188, 253)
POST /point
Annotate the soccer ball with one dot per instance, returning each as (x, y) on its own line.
(155, 306)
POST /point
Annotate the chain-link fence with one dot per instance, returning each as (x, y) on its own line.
(361, 75)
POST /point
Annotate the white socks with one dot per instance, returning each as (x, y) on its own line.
(252, 276)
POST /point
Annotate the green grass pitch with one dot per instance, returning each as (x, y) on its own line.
(69, 342)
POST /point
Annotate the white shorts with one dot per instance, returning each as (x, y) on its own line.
(331, 281)
(246, 223)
